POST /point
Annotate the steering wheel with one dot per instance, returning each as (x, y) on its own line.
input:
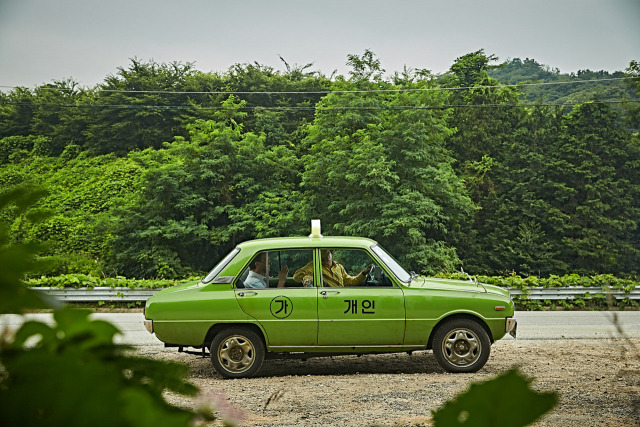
(370, 276)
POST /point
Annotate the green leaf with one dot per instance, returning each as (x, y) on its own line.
(506, 401)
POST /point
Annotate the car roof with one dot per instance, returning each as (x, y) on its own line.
(308, 242)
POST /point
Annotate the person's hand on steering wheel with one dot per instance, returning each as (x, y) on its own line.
(368, 271)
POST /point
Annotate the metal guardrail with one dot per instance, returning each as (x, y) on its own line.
(573, 292)
(98, 294)
(132, 295)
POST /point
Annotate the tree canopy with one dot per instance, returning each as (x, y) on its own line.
(162, 169)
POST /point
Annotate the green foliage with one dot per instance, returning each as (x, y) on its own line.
(594, 172)
(479, 146)
(523, 219)
(471, 69)
(82, 195)
(596, 299)
(16, 260)
(116, 129)
(506, 400)
(14, 149)
(62, 126)
(254, 82)
(581, 86)
(71, 373)
(157, 172)
(516, 281)
(386, 173)
(85, 281)
(633, 109)
(96, 382)
(16, 112)
(556, 191)
(202, 196)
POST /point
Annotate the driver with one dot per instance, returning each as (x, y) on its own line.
(333, 273)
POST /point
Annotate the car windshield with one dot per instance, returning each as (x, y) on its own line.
(393, 265)
(222, 264)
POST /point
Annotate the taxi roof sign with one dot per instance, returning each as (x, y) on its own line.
(315, 228)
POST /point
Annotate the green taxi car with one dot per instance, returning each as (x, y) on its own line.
(311, 296)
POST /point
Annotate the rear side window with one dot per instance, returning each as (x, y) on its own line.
(291, 268)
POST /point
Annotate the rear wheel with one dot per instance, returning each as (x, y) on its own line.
(237, 352)
(461, 345)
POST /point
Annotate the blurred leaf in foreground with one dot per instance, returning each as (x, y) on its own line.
(506, 401)
(18, 258)
(71, 373)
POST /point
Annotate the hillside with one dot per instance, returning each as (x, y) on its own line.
(162, 169)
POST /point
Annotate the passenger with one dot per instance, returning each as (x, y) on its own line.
(258, 277)
(333, 273)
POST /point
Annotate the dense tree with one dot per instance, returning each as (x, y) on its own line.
(384, 172)
(16, 112)
(201, 196)
(485, 118)
(633, 108)
(596, 174)
(60, 114)
(82, 192)
(550, 197)
(524, 218)
(548, 86)
(517, 71)
(136, 109)
(280, 103)
(444, 170)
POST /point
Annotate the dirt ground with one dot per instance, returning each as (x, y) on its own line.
(598, 383)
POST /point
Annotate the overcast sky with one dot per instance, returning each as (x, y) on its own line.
(43, 40)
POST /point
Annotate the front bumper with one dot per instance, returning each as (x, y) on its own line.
(511, 326)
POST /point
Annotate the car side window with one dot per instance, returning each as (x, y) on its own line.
(274, 269)
(351, 267)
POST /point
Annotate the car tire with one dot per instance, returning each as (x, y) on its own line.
(237, 352)
(461, 345)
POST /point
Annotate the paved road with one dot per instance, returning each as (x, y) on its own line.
(534, 325)
(545, 325)
(130, 324)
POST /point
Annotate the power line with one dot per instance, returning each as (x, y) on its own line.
(315, 108)
(326, 92)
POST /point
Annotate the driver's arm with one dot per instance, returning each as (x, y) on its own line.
(303, 273)
(348, 280)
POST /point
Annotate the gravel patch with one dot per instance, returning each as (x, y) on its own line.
(598, 383)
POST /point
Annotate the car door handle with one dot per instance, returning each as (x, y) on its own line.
(324, 293)
(241, 294)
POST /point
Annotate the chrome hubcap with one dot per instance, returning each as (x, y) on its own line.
(462, 347)
(236, 353)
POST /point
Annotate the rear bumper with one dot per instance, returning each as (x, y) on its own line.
(148, 325)
(511, 326)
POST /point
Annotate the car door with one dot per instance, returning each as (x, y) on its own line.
(372, 313)
(287, 314)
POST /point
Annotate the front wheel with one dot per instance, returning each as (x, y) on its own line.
(461, 345)
(237, 352)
